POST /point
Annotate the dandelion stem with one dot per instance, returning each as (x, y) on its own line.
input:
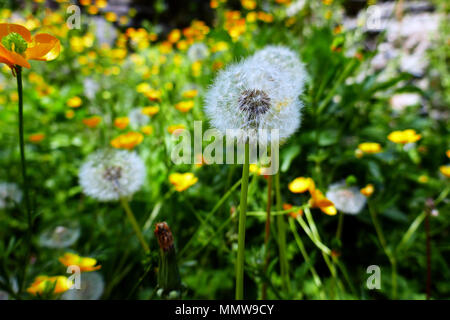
(134, 224)
(242, 218)
(267, 233)
(281, 233)
(18, 71)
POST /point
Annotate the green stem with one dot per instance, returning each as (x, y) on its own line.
(134, 224)
(305, 255)
(267, 234)
(387, 251)
(242, 218)
(210, 214)
(281, 234)
(18, 71)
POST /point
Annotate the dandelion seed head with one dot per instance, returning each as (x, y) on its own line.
(137, 118)
(197, 51)
(61, 236)
(252, 98)
(346, 199)
(10, 195)
(287, 61)
(92, 287)
(108, 175)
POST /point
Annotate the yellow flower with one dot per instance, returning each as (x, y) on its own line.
(143, 87)
(189, 94)
(92, 122)
(111, 16)
(84, 263)
(101, 3)
(423, 179)
(182, 181)
(219, 46)
(369, 147)
(44, 283)
(253, 168)
(301, 185)
(196, 68)
(445, 170)
(36, 137)
(150, 111)
(174, 36)
(248, 4)
(121, 122)
(367, 190)
(127, 141)
(403, 137)
(184, 106)
(75, 102)
(153, 95)
(147, 130)
(172, 128)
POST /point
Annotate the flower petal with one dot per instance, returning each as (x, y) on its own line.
(7, 28)
(46, 47)
(12, 58)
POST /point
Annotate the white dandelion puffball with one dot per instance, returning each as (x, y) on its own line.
(92, 286)
(286, 60)
(60, 236)
(346, 199)
(137, 118)
(198, 51)
(253, 98)
(10, 195)
(108, 175)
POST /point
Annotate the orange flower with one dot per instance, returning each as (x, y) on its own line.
(318, 200)
(18, 46)
(127, 141)
(43, 283)
(293, 214)
(121, 122)
(150, 111)
(86, 264)
(36, 137)
(92, 122)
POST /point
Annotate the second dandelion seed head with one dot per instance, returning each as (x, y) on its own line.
(108, 175)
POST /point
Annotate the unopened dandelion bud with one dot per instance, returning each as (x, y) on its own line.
(168, 275)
